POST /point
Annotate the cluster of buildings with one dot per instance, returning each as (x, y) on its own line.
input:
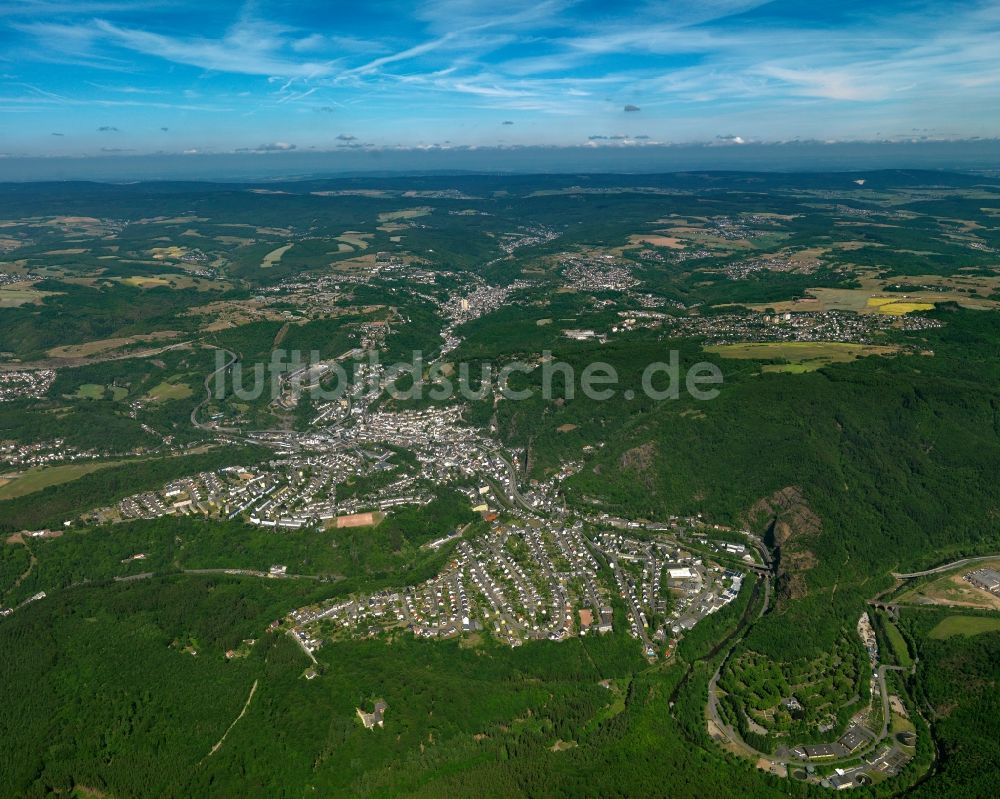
(321, 295)
(537, 577)
(854, 738)
(639, 319)
(526, 236)
(376, 717)
(739, 270)
(653, 301)
(987, 579)
(885, 760)
(25, 384)
(666, 589)
(396, 269)
(464, 306)
(673, 255)
(597, 273)
(10, 278)
(885, 757)
(863, 213)
(742, 227)
(41, 453)
(304, 487)
(290, 493)
(841, 326)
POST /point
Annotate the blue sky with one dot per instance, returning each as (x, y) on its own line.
(102, 77)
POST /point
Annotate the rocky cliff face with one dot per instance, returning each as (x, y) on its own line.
(791, 526)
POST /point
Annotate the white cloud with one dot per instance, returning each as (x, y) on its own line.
(458, 58)
(249, 47)
(830, 84)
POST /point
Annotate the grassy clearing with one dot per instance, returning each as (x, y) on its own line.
(657, 240)
(89, 391)
(355, 239)
(791, 368)
(15, 297)
(898, 644)
(101, 346)
(275, 256)
(799, 356)
(169, 391)
(407, 213)
(40, 477)
(964, 625)
(144, 282)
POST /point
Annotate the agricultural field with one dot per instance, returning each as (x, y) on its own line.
(406, 213)
(897, 296)
(275, 256)
(16, 295)
(800, 356)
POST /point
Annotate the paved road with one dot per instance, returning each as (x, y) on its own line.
(946, 567)
(114, 355)
(515, 493)
(208, 392)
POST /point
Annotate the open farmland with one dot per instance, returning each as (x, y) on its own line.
(102, 346)
(800, 356)
(882, 295)
(275, 256)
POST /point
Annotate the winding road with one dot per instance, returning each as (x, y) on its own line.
(734, 737)
(208, 394)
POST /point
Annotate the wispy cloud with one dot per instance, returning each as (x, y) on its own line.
(249, 47)
(446, 65)
(403, 55)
